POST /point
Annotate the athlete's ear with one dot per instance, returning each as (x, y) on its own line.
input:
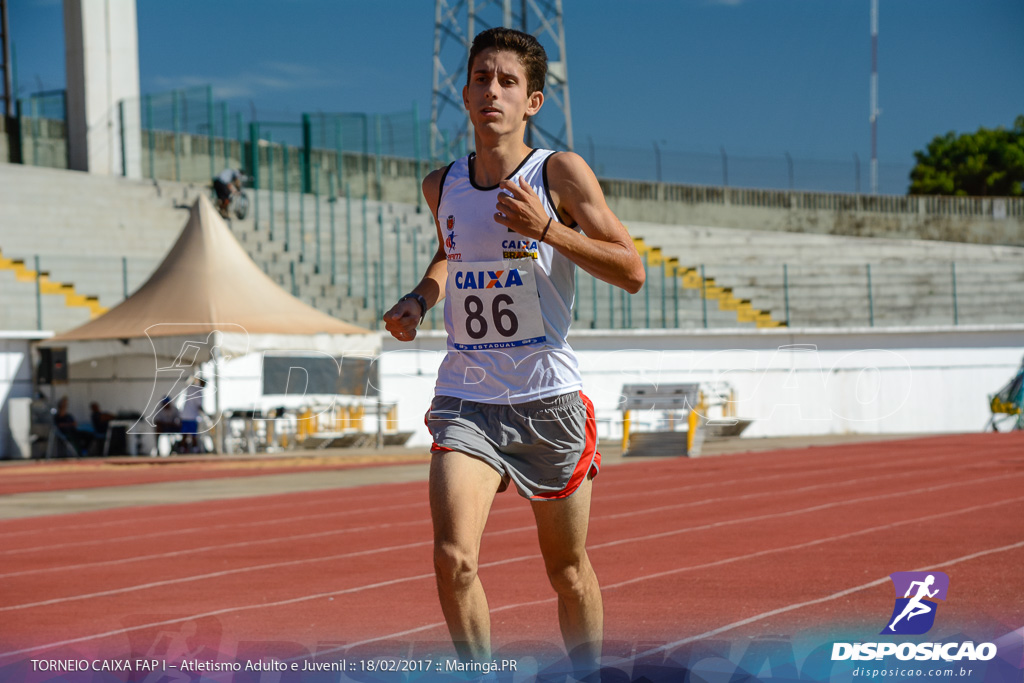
(465, 97)
(534, 102)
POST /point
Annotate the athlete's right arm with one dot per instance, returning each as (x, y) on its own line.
(403, 318)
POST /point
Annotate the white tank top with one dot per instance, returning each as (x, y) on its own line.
(508, 299)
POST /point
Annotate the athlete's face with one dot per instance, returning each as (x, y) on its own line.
(496, 96)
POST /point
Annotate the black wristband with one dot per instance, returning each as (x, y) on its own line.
(418, 299)
(545, 233)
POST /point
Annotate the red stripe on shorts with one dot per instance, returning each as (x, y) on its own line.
(590, 460)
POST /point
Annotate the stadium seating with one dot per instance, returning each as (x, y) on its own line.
(100, 237)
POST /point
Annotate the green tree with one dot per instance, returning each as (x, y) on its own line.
(987, 163)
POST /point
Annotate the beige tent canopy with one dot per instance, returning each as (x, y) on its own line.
(208, 293)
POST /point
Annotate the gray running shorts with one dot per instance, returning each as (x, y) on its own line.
(545, 447)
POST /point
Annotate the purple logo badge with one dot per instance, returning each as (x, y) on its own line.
(917, 594)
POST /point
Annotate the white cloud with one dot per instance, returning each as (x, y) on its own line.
(267, 77)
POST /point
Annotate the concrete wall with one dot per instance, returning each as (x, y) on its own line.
(952, 219)
(5, 148)
(102, 58)
(15, 383)
(791, 382)
(43, 143)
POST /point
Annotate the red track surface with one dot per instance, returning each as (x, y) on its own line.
(84, 474)
(684, 549)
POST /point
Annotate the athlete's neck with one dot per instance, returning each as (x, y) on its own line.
(495, 163)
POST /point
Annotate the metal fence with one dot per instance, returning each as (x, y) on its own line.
(43, 118)
(340, 263)
(183, 128)
(186, 123)
(658, 163)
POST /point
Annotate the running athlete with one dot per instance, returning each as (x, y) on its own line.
(916, 606)
(512, 224)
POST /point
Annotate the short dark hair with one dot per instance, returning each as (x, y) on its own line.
(530, 52)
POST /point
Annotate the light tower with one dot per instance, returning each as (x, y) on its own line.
(874, 97)
(456, 22)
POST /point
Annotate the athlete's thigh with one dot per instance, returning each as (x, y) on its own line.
(462, 489)
(562, 525)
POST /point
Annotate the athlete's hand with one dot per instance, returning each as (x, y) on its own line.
(402, 319)
(520, 209)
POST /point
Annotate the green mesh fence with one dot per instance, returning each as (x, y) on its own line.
(44, 129)
(188, 135)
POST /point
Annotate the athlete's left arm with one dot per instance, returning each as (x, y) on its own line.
(604, 248)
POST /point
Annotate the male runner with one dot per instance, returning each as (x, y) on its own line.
(512, 224)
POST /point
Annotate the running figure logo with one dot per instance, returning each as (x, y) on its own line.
(914, 613)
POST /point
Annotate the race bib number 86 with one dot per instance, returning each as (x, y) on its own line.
(494, 304)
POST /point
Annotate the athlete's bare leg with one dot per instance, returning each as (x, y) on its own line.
(562, 530)
(462, 489)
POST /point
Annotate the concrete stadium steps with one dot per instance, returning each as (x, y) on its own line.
(887, 273)
(924, 291)
(59, 212)
(827, 277)
(119, 221)
(390, 225)
(696, 245)
(90, 231)
(20, 309)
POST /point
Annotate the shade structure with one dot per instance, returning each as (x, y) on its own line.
(208, 291)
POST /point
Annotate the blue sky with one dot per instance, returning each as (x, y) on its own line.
(760, 78)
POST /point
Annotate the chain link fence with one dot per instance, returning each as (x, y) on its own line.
(188, 135)
(783, 172)
(43, 125)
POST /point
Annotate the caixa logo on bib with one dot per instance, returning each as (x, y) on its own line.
(917, 596)
(488, 279)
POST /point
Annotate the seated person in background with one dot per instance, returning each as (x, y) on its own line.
(64, 420)
(68, 426)
(226, 184)
(100, 420)
(167, 420)
(190, 415)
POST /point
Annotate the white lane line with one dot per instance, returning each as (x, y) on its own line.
(277, 565)
(809, 464)
(802, 511)
(211, 548)
(739, 558)
(860, 465)
(204, 529)
(238, 525)
(214, 613)
(827, 598)
(309, 498)
(489, 564)
(631, 496)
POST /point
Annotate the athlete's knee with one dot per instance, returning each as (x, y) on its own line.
(455, 567)
(572, 577)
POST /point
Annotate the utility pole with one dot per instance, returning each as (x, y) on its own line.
(5, 55)
(456, 22)
(874, 97)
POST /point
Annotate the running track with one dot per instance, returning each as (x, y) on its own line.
(731, 546)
